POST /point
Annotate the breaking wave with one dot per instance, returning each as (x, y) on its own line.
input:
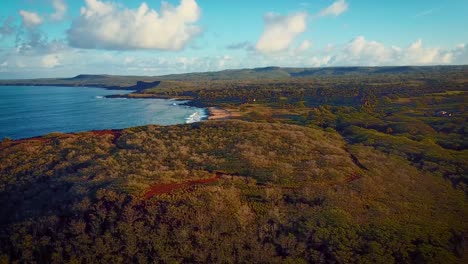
(197, 116)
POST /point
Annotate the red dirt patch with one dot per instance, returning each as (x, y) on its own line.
(28, 140)
(159, 189)
(116, 133)
(353, 177)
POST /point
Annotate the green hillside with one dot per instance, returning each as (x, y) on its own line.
(287, 194)
(267, 73)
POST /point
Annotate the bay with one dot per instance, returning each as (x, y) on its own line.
(29, 111)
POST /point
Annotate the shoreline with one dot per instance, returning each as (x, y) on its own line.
(218, 113)
(214, 112)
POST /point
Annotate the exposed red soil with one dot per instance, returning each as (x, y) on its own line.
(116, 133)
(353, 177)
(30, 140)
(159, 189)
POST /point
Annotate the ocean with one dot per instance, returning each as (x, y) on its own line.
(29, 111)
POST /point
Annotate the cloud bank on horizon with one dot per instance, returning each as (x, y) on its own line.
(124, 37)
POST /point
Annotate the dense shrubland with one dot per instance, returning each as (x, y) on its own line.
(342, 169)
(394, 113)
(299, 195)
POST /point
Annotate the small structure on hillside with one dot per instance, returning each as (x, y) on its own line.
(443, 113)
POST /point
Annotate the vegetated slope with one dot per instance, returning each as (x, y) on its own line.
(396, 113)
(295, 194)
(263, 74)
(281, 73)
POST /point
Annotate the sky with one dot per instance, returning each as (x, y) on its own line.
(64, 38)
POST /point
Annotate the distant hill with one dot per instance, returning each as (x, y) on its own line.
(87, 80)
(282, 73)
(266, 73)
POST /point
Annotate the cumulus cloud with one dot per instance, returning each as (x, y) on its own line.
(15, 61)
(60, 9)
(105, 25)
(335, 9)
(304, 46)
(361, 51)
(30, 19)
(364, 52)
(372, 52)
(50, 61)
(460, 54)
(280, 31)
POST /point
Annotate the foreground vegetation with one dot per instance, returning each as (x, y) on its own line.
(299, 194)
(352, 168)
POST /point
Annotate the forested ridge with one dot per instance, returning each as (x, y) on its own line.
(336, 169)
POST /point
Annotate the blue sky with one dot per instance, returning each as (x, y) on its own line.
(59, 38)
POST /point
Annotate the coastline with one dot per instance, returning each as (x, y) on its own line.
(218, 113)
(213, 112)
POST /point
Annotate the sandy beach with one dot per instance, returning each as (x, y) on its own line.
(216, 113)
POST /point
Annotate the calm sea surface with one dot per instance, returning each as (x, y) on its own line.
(27, 111)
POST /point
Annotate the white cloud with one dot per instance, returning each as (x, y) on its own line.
(360, 51)
(55, 60)
(420, 55)
(30, 19)
(460, 54)
(19, 62)
(363, 52)
(50, 61)
(335, 9)
(60, 9)
(371, 52)
(281, 31)
(304, 46)
(105, 25)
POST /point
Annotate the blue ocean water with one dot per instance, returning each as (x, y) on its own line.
(27, 111)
